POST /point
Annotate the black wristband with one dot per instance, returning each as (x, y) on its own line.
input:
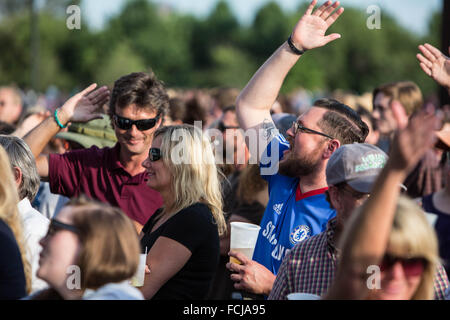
(294, 48)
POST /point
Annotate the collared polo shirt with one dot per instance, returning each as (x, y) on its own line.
(291, 216)
(98, 174)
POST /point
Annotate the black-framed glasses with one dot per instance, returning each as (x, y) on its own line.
(353, 193)
(56, 226)
(154, 154)
(142, 125)
(222, 127)
(298, 127)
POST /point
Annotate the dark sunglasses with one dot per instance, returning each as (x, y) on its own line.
(142, 125)
(298, 127)
(411, 266)
(154, 154)
(222, 127)
(56, 226)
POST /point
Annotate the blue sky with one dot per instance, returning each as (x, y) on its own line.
(413, 14)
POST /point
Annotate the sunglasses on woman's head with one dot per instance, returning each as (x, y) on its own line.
(142, 125)
(154, 154)
(56, 226)
(411, 266)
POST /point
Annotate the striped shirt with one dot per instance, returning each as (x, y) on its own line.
(310, 268)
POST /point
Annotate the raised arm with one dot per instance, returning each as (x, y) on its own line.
(81, 107)
(369, 230)
(254, 103)
(435, 64)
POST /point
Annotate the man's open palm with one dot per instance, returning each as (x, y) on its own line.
(309, 33)
(84, 106)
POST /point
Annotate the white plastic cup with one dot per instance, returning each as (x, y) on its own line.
(243, 239)
(138, 278)
(302, 296)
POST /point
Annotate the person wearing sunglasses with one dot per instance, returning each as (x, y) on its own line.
(90, 252)
(15, 269)
(113, 175)
(182, 238)
(311, 266)
(294, 166)
(389, 249)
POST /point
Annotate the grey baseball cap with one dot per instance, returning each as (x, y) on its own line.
(357, 164)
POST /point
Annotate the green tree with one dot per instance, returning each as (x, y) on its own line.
(160, 41)
(269, 30)
(219, 28)
(122, 61)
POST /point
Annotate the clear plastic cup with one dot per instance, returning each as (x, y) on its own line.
(138, 278)
(243, 238)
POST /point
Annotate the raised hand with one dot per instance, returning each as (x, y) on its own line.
(85, 105)
(413, 139)
(435, 64)
(309, 32)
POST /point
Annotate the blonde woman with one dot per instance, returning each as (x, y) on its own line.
(182, 237)
(15, 270)
(391, 232)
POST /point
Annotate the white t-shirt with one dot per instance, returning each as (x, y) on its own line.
(35, 227)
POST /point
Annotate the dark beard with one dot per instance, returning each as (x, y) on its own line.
(301, 166)
(298, 167)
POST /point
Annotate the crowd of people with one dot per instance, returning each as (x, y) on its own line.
(352, 193)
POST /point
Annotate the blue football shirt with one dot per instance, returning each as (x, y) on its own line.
(291, 216)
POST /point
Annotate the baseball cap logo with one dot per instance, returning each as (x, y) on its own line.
(371, 161)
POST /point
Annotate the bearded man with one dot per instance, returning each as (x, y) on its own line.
(297, 207)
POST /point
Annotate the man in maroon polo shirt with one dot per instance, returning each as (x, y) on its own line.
(114, 175)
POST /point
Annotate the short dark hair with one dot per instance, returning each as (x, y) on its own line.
(177, 109)
(230, 108)
(363, 112)
(342, 122)
(142, 89)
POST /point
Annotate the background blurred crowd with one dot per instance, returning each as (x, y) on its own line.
(57, 141)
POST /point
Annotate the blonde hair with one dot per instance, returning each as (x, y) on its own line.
(195, 177)
(412, 236)
(406, 92)
(110, 245)
(9, 212)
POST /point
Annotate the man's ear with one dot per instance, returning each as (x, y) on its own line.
(334, 197)
(332, 146)
(17, 176)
